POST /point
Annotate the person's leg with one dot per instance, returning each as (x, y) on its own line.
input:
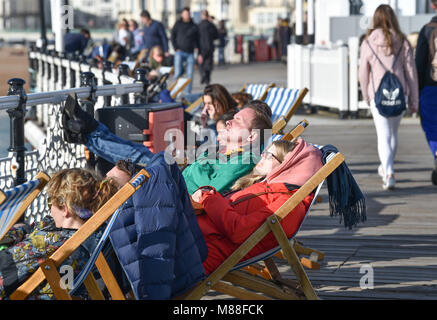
(112, 148)
(394, 123)
(178, 64)
(384, 140)
(190, 72)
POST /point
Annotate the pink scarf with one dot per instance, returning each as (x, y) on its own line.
(298, 166)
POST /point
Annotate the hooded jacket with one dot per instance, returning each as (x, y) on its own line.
(423, 62)
(156, 237)
(371, 72)
(226, 226)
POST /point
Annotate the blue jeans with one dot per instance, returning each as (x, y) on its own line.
(112, 148)
(180, 58)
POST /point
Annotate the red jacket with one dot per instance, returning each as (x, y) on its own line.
(226, 227)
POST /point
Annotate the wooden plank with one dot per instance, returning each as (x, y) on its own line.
(292, 258)
(54, 279)
(93, 288)
(108, 278)
(237, 292)
(230, 262)
(258, 284)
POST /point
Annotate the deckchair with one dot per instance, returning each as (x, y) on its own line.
(166, 70)
(229, 279)
(258, 91)
(177, 86)
(14, 202)
(284, 102)
(48, 268)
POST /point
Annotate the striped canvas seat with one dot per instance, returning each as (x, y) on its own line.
(14, 202)
(281, 100)
(256, 90)
(178, 86)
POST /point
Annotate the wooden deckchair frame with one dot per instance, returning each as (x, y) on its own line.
(302, 288)
(264, 94)
(44, 178)
(282, 122)
(48, 269)
(172, 86)
(194, 105)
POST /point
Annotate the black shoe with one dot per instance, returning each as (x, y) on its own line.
(76, 123)
(434, 177)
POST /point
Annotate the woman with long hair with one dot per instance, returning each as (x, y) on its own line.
(227, 221)
(216, 102)
(74, 195)
(385, 48)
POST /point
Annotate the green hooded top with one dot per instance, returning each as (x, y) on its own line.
(219, 171)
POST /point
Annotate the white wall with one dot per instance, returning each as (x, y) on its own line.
(325, 9)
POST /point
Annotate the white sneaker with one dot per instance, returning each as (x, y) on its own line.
(381, 171)
(389, 183)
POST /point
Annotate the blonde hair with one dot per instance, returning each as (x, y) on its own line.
(79, 189)
(283, 147)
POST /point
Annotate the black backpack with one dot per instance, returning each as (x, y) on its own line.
(389, 98)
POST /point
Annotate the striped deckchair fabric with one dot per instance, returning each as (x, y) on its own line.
(48, 268)
(15, 201)
(258, 91)
(178, 86)
(284, 102)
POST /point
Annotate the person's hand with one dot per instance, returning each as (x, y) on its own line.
(413, 110)
(166, 54)
(204, 119)
(200, 59)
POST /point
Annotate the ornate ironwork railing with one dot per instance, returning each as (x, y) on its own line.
(52, 80)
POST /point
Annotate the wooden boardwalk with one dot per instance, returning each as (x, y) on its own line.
(399, 238)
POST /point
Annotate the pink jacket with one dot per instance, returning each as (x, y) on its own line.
(405, 68)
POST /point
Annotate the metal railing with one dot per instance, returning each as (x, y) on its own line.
(53, 78)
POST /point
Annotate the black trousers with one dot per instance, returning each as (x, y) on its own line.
(206, 68)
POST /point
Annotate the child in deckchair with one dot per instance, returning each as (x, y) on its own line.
(73, 196)
(228, 221)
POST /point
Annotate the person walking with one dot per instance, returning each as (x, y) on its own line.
(185, 40)
(222, 34)
(426, 63)
(277, 39)
(285, 32)
(207, 34)
(385, 48)
(153, 33)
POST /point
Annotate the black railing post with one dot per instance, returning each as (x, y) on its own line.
(141, 76)
(87, 79)
(16, 115)
(107, 67)
(123, 70)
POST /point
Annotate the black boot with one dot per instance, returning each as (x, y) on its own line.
(76, 123)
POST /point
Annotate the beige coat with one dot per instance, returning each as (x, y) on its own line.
(405, 68)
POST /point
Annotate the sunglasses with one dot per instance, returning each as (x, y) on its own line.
(269, 155)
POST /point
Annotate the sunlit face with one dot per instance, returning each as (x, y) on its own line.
(120, 177)
(269, 161)
(209, 107)
(238, 129)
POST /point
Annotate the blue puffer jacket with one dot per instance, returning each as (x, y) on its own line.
(156, 237)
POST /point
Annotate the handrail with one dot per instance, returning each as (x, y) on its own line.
(58, 96)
